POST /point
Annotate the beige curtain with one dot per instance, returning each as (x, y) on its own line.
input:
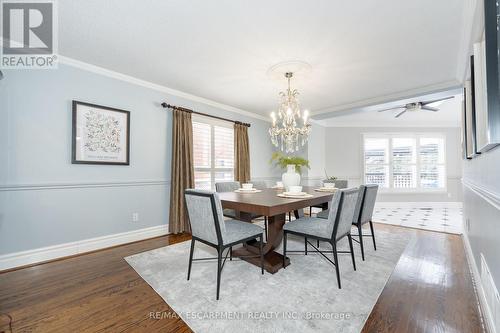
(241, 153)
(182, 176)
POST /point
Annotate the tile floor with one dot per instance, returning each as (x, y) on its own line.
(444, 217)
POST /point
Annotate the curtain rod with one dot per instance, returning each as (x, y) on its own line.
(173, 107)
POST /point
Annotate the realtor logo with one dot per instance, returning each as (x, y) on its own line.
(28, 34)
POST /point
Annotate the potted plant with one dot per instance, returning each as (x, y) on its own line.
(329, 179)
(293, 165)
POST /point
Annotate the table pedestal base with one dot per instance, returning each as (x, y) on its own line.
(273, 261)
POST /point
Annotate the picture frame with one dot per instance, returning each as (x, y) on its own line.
(487, 78)
(469, 120)
(100, 134)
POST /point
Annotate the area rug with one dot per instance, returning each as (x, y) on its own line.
(304, 297)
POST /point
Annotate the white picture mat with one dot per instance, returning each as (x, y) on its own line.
(468, 120)
(100, 148)
(480, 90)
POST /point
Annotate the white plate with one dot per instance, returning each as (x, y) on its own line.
(327, 189)
(254, 190)
(295, 194)
(305, 195)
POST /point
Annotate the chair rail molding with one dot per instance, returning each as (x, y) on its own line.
(29, 257)
(489, 196)
(70, 185)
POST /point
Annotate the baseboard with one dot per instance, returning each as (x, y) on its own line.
(483, 305)
(18, 259)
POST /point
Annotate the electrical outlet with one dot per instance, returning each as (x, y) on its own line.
(135, 217)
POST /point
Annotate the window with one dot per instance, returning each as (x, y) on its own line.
(213, 152)
(405, 162)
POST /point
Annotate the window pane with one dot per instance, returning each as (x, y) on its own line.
(376, 151)
(403, 151)
(431, 150)
(224, 176)
(404, 176)
(201, 145)
(223, 145)
(202, 180)
(432, 176)
(377, 174)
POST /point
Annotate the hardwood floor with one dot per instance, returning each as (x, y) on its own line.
(429, 291)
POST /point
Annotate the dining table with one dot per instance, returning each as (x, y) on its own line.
(268, 203)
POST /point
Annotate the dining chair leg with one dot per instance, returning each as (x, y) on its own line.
(219, 268)
(231, 253)
(310, 211)
(305, 245)
(284, 249)
(265, 226)
(373, 236)
(352, 251)
(261, 255)
(336, 260)
(289, 216)
(190, 258)
(360, 232)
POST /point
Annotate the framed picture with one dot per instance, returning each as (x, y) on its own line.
(470, 114)
(487, 88)
(101, 135)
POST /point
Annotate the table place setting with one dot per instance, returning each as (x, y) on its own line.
(327, 187)
(294, 192)
(247, 188)
(279, 186)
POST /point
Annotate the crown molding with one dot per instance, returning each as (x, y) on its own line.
(143, 83)
(435, 88)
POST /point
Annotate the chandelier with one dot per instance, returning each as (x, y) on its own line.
(285, 133)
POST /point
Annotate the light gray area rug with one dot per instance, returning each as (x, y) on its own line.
(304, 297)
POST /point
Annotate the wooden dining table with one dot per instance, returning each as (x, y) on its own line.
(268, 203)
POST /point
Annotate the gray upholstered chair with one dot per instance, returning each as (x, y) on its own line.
(259, 184)
(232, 186)
(339, 183)
(208, 226)
(331, 230)
(368, 194)
(228, 187)
(363, 215)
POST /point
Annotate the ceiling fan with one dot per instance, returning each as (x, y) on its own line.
(416, 106)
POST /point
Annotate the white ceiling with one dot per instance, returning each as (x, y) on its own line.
(449, 115)
(221, 50)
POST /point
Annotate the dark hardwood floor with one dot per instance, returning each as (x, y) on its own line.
(430, 290)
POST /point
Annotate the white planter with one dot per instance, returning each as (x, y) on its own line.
(290, 177)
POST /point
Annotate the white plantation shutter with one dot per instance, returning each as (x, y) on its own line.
(213, 149)
(377, 161)
(432, 166)
(405, 162)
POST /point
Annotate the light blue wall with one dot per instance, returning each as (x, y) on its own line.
(482, 214)
(35, 150)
